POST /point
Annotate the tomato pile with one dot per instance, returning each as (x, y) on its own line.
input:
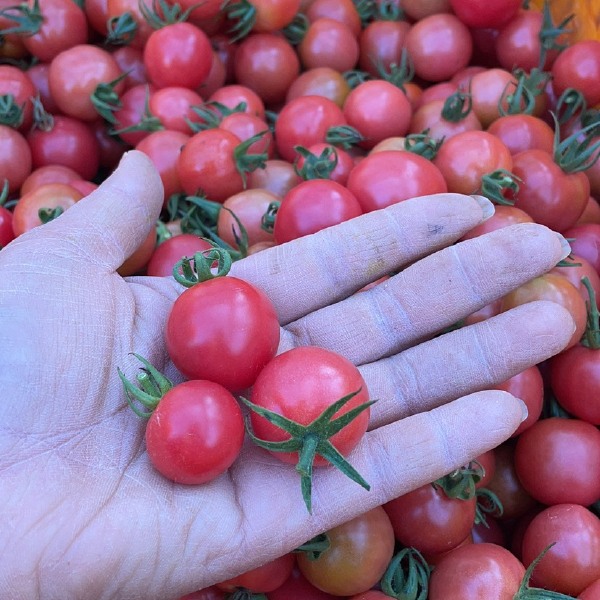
(269, 120)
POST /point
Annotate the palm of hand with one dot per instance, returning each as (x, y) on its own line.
(95, 520)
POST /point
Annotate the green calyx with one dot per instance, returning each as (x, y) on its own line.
(152, 385)
(355, 77)
(570, 104)
(314, 547)
(312, 440)
(487, 504)
(191, 271)
(244, 594)
(28, 19)
(163, 13)
(549, 33)
(521, 100)
(422, 144)
(316, 167)
(121, 30)
(387, 10)
(407, 576)
(493, 186)
(267, 223)
(49, 214)
(591, 337)
(243, 16)
(148, 122)
(105, 99)
(579, 151)
(246, 162)
(343, 136)
(460, 483)
(528, 593)
(11, 114)
(397, 74)
(457, 106)
(294, 32)
(212, 113)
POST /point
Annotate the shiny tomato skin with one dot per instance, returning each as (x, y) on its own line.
(476, 571)
(297, 587)
(378, 110)
(391, 176)
(15, 158)
(272, 15)
(429, 117)
(550, 195)
(585, 242)
(439, 46)
(428, 520)
(488, 88)
(179, 54)
(266, 578)
(578, 66)
(343, 11)
(195, 433)
(573, 562)
(50, 195)
(360, 551)
(575, 380)
(483, 14)
(322, 81)
(523, 132)
(558, 461)
(554, 288)
(172, 106)
(311, 206)
(224, 330)
(278, 177)
(300, 384)
(171, 251)
(578, 268)
(48, 174)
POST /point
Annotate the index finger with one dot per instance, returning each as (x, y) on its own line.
(311, 272)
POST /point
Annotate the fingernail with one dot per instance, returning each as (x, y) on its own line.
(524, 410)
(487, 207)
(566, 247)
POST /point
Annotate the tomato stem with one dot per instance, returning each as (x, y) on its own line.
(591, 337)
(243, 15)
(407, 576)
(202, 262)
(121, 30)
(314, 547)
(316, 167)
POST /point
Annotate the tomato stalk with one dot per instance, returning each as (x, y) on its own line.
(493, 186)
(355, 77)
(106, 101)
(316, 167)
(528, 593)
(457, 106)
(148, 122)
(28, 19)
(522, 100)
(312, 440)
(203, 264)
(344, 136)
(550, 33)
(267, 223)
(487, 504)
(397, 74)
(387, 10)
(576, 152)
(49, 214)
(243, 15)
(422, 144)
(294, 32)
(407, 576)
(461, 483)
(212, 113)
(11, 113)
(152, 386)
(569, 105)
(591, 337)
(314, 547)
(162, 13)
(121, 29)
(246, 163)
(366, 10)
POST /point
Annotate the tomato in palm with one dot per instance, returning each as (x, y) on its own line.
(554, 288)
(549, 194)
(391, 176)
(358, 555)
(558, 461)
(179, 54)
(224, 330)
(49, 196)
(135, 263)
(378, 110)
(476, 571)
(266, 578)
(300, 384)
(485, 13)
(311, 206)
(195, 433)
(171, 251)
(575, 380)
(428, 520)
(439, 46)
(573, 562)
(578, 66)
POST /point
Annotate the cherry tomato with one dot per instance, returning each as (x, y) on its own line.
(573, 562)
(272, 15)
(377, 109)
(16, 83)
(428, 520)
(359, 553)
(297, 587)
(489, 89)
(523, 132)
(143, 28)
(47, 196)
(578, 66)
(391, 176)
(277, 176)
(224, 330)
(172, 106)
(485, 13)
(429, 117)
(7, 233)
(136, 263)
(578, 268)
(322, 81)
(439, 46)
(300, 384)
(558, 461)
(195, 433)
(585, 242)
(233, 95)
(48, 174)
(39, 75)
(554, 288)
(503, 216)
(266, 578)
(179, 54)
(171, 251)
(244, 126)
(476, 571)
(343, 11)
(345, 162)
(15, 158)
(381, 44)
(311, 206)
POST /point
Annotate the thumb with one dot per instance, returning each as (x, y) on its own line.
(107, 226)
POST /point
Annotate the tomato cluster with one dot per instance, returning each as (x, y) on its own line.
(269, 120)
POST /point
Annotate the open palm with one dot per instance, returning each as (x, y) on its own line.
(85, 514)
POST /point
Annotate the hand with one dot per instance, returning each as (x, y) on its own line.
(84, 513)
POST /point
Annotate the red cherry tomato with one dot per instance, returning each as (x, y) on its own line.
(15, 158)
(171, 251)
(266, 578)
